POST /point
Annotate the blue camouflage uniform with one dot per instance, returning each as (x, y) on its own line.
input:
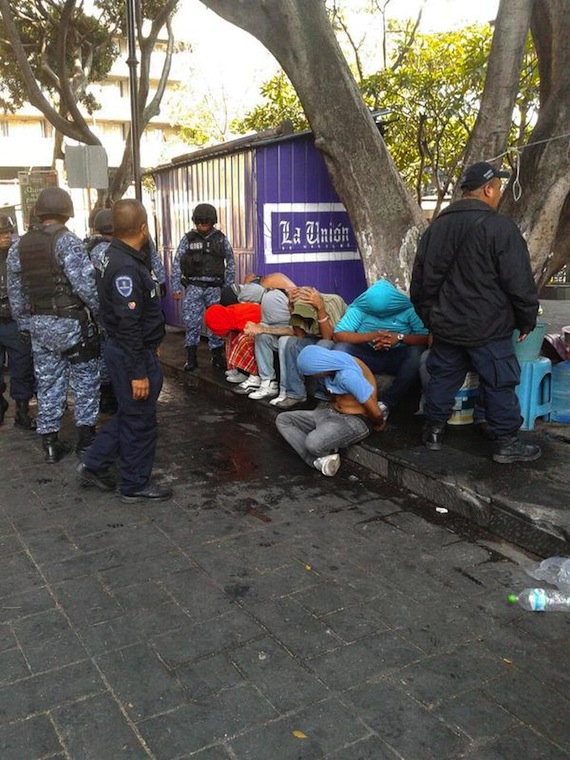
(132, 317)
(198, 295)
(52, 336)
(13, 345)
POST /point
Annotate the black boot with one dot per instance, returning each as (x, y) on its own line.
(432, 435)
(510, 448)
(22, 418)
(108, 401)
(86, 437)
(54, 448)
(3, 408)
(191, 361)
(218, 358)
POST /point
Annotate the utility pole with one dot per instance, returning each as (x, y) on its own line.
(132, 13)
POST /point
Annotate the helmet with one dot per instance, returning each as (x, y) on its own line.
(54, 201)
(6, 224)
(205, 211)
(104, 221)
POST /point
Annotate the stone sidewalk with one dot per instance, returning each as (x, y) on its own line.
(265, 613)
(528, 504)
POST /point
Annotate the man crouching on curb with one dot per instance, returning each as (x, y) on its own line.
(318, 434)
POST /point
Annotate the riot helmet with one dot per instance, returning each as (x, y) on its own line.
(204, 213)
(103, 222)
(54, 201)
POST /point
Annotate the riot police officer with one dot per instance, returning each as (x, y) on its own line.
(52, 291)
(203, 263)
(132, 317)
(14, 344)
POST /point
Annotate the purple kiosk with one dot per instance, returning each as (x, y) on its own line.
(275, 203)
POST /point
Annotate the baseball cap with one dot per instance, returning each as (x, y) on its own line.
(302, 313)
(479, 174)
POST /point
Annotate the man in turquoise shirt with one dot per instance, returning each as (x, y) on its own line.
(382, 329)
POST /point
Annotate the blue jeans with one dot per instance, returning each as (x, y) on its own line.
(320, 432)
(265, 345)
(291, 381)
(499, 374)
(403, 362)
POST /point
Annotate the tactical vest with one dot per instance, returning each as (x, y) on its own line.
(45, 283)
(93, 241)
(205, 258)
(5, 312)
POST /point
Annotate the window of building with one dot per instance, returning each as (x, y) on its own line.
(4, 128)
(124, 88)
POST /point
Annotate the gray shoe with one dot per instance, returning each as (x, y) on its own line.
(289, 403)
(328, 465)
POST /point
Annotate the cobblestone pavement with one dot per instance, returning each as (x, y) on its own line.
(265, 613)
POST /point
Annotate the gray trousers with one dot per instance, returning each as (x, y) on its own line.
(320, 432)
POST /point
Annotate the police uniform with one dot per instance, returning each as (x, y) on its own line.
(202, 265)
(51, 287)
(15, 346)
(133, 320)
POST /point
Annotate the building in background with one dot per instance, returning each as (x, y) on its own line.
(27, 137)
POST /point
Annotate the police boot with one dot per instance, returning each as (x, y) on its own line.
(54, 448)
(86, 437)
(432, 435)
(191, 360)
(108, 401)
(3, 408)
(218, 358)
(22, 418)
(510, 448)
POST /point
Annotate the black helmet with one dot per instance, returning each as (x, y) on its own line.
(205, 211)
(6, 224)
(104, 221)
(54, 201)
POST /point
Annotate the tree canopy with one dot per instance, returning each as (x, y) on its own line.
(52, 50)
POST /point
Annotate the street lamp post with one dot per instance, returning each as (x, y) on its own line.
(134, 92)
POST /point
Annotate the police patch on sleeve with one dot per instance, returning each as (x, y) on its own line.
(124, 285)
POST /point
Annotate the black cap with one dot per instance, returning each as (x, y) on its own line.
(479, 174)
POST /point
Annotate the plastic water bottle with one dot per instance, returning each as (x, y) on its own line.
(541, 600)
(561, 392)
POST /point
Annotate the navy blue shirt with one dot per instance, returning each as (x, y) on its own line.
(130, 309)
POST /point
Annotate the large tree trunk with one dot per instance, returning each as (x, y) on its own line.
(494, 120)
(386, 220)
(542, 209)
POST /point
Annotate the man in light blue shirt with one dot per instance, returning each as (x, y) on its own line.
(382, 329)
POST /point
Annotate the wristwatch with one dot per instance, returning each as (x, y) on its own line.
(400, 337)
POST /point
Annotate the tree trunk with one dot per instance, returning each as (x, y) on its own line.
(386, 220)
(542, 209)
(490, 133)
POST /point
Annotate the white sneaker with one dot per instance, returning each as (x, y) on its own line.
(288, 402)
(253, 381)
(281, 397)
(235, 376)
(328, 465)
(267, 389)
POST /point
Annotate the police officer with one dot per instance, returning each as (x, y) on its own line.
(14, 344)
(97, 244)
(52, 291)
(203, 263)
(132, 317)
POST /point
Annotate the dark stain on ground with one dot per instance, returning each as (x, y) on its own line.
(238, 591)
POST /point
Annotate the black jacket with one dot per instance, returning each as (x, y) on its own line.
(131, 312)
(472, 281)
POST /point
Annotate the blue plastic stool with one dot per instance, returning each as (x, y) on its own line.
(535, 391)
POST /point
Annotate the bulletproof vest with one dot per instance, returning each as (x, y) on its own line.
(45, 283)
(205, 257)
(95, 240)
(4, 303)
